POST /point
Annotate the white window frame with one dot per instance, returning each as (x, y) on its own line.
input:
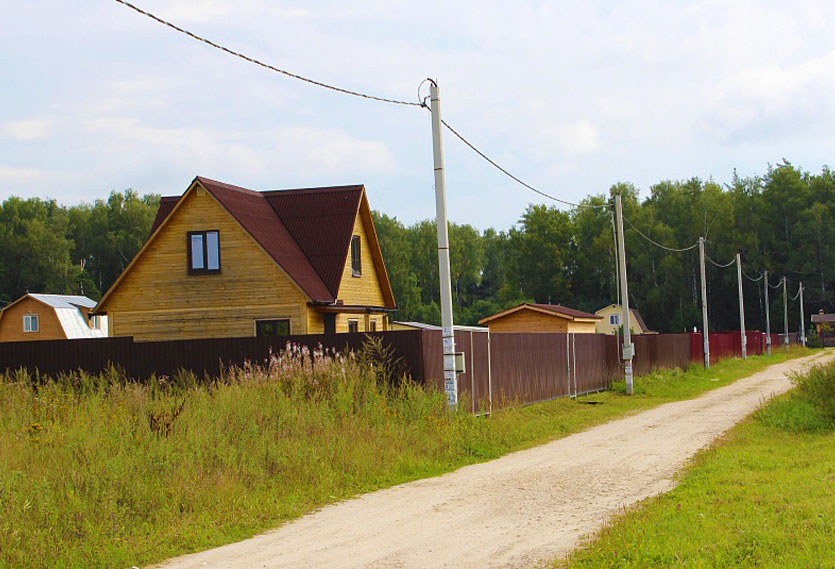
(614, 320)
(28, 320)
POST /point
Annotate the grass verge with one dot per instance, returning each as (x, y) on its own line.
(104, 472)
(762, 497)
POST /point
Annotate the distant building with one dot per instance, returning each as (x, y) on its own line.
(395, 325)
(50, 317)
(541, 318)
(611, 317)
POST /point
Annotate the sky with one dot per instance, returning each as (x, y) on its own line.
(572, 97)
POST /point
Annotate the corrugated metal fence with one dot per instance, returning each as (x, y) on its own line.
(501, 369)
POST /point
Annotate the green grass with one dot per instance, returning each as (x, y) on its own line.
(104, 472)
(762, 497)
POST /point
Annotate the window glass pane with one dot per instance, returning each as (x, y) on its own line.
(272, 328)
(197, 251)
(30, 323)
(212, 251)
(356, 262)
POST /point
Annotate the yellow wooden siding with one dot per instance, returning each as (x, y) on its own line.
(364, 290)
(158, 299)
(581, 327)
(11, 322)
(528, 321)
(603, 326)
(315, 322)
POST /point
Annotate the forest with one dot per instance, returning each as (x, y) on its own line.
(782, 222)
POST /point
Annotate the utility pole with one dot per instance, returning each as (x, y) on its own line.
(767, 314)
(741, 307)
(705, 340)
(628, 350)
(802, 319)
(447, 333)
(785, 316)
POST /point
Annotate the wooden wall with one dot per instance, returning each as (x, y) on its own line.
(157, 299)
(363, 290)
(528, 321)
(11, 322)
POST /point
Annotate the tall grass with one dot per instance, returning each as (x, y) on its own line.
(102, 471)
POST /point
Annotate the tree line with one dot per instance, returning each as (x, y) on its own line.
(781, 222)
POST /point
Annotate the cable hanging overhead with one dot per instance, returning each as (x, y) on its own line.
(752, 279)
(721, 266)
(673, 249)
(262, 64)
(352, 93)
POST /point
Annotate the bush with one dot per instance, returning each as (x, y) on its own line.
(818, 385)
(810, 408)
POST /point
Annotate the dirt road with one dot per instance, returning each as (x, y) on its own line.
(518, 510)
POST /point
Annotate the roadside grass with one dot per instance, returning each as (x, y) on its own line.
(100, 471)
(764, 496)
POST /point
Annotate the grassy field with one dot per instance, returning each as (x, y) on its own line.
(104, 472)
(762, 497)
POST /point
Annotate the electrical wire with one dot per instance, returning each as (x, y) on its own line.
(262, 64)
(673, 249)
(511, 176)
(799, 290)
(349, 92)
(728, 264)
(753, 279)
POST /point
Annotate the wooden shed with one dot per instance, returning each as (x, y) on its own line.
(541, 318)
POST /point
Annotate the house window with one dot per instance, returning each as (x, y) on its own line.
(353, 325)
(373, 326)
(614, 319)
(278, 327)
(95, 322)
(356, 261)
(203, 252)
(30, 322)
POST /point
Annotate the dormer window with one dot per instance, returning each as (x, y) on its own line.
(203, 252)
(356, 261)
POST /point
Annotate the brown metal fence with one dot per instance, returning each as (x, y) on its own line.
(501, 368)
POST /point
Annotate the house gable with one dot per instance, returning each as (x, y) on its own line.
(11, 321)
(157, 292)
(371, 287)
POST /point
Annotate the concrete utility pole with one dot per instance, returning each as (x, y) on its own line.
(741, 307)
(802, 319)
(705, 340)
(628, 350)
(767, 314)
(785, 316)
(447, 333)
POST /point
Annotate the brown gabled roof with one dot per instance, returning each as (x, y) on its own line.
(640, 319)
(166, 206)
(325, 242)
(555, 309)
(312, 254)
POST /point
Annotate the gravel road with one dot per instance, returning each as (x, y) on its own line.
(516, 511)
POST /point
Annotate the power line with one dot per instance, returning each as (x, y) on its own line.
(728, 264)
(511, 176)
(753, 279)
(261, 63)
(346, 92)
(798, 293)
(673, 249)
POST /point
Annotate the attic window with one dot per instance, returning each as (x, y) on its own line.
(203, 252)
(30, 322)
(614, 319)
(356, 260)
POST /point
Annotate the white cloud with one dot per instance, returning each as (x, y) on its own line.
(14, 174)
(31, 129)
(575, 138)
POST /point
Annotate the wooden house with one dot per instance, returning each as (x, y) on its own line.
(612, 315)
(50, 317)
(541, 318)
(225, 261)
